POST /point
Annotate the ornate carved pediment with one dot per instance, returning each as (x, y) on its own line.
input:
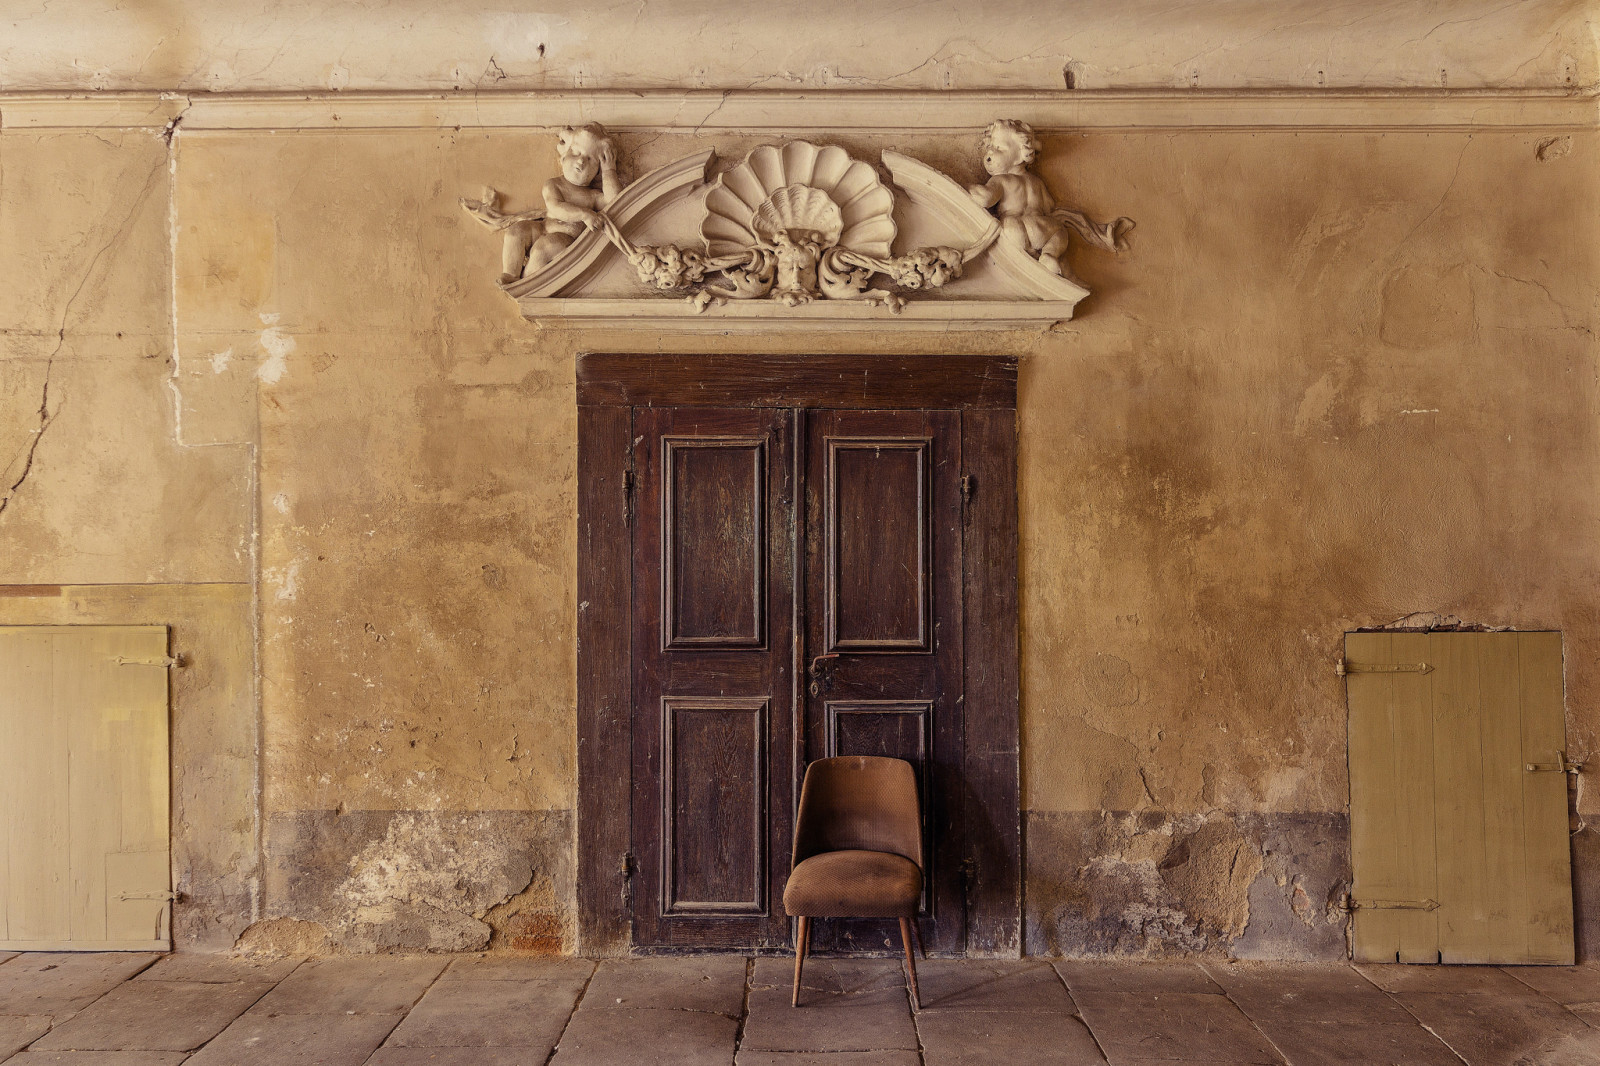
(795, 233)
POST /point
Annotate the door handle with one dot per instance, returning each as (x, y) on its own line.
(820, 664)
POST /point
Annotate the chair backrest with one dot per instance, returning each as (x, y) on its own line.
(859, 802)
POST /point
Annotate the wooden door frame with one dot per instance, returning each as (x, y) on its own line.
(984, 389)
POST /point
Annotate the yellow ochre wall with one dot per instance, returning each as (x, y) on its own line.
(259, 384)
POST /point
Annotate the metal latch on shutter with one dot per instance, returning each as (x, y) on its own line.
(1394, 904)
(1560, 766)
(168, 661)
(126, 896)
(1345, 667)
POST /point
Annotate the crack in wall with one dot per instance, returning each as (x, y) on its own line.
(47, 417)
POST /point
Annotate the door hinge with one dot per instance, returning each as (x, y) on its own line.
(1394, 904)
(626, 868)
(1560, 766)
(1345, 667)
(169, 896)
(967, 487)
(168, 661)
(627, 493)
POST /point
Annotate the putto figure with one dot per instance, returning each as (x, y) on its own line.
(1028, 213)
(572, 204)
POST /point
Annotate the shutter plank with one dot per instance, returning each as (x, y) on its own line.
(1416, 846)
(1506, 882)
(1373, 799)
(1548, 849)
(1458, 792)
(40, 876)
(25, 693)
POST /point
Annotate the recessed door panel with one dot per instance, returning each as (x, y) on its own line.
(713, 542)
(715, 811)
(877, 544)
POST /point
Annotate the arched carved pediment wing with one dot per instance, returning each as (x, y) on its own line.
(641, 199)
(955, 207)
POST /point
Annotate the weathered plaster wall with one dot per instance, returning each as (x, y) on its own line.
(1341, 377)
(732, 44)
(105, 516)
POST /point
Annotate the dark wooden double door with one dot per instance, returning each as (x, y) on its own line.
(797, 581)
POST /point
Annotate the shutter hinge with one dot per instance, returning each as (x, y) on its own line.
(169, 896)
(627, 493)
(168, 661)
(1345, 667)
(1560, 766)
(1394, 904)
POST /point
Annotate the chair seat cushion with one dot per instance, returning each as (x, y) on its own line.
(853, 884)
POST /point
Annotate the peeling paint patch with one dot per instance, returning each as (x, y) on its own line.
(284, 580)
(220, 360)
(284, 936)
(1152, 884)
(277, 344)
(425, 880)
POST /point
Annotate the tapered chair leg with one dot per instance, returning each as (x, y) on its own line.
(802, 944)
(906, 935)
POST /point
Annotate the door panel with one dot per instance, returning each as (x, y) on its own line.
(876, 536)
(714, 547)
(883, 629)
(712, 701)
(716, 771)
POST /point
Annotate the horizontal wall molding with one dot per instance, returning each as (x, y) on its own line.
(790, 112)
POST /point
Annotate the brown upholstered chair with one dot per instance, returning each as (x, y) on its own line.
(857, 851)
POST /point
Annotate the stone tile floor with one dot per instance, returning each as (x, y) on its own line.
(477, 1010)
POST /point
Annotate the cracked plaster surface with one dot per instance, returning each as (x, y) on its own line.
(398, 44)
(1209, 489)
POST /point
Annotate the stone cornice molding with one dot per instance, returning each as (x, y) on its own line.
(801, 113)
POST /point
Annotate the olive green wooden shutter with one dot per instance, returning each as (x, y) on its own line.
(84, 836)
(1458, 798)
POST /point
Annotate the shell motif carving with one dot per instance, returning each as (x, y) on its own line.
(802, 209)
(790, 187)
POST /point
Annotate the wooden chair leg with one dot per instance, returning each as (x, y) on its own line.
(907, 933)
(802, 944)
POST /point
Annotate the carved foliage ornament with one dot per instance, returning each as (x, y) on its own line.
(796, 224)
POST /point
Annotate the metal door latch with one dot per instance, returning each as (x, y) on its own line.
(168, 661)
(1394, 904)
(1345, 667)
(1560, 766)
(168, 896)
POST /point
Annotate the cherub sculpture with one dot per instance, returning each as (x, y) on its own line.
(572, 204)
(1029, 217)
